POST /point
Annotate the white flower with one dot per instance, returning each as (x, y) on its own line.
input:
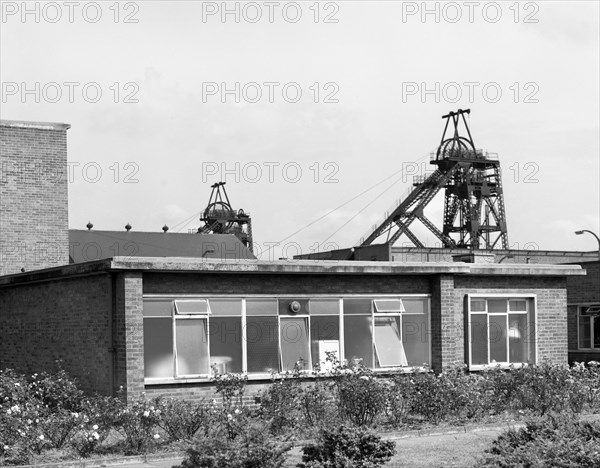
(6, 447)
(95, 435)
(9, 412)
(95, 427)
(229, 417)
(156, 436)
(146, 413)
(41, 437)
(75, 415)
(17, 384)
(237, 411)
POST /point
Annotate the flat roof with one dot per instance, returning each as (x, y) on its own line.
(35, 125)
(323, 267)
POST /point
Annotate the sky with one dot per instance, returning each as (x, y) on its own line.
(316, 114)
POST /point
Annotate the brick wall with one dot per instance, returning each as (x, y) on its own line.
(129, 334)
(585, 289)
(33, 196)
(582, 290)
(551, 327)
(67, 320)
(168, 283)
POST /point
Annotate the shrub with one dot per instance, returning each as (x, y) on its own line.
(360, 395)
(137, 422)
(551, 441)
(548, 387)
(231, 387)
(252, 448)
(280, 401)
(182, 419)
(347, 447)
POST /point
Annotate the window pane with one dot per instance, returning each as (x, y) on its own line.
(324, 307)
(262, 343)
(388, 305)
(478, 305)
(294, 343)
(388, 346)
(517, 305)
(192, 347)
(261, 306)
(357, 339)
(415, 305)
(479, 339)
(415, 337)
(325, 336)
(596, 325)
(357, 306)
(192, 307)
(226, 307)
(158, 347)
(158, 308)
(498, 331)
(585, 334)
(517, 338)
(293, 307)
(496, 305)
(226, 343)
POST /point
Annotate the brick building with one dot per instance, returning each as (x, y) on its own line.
(583, 299)
(159, 319)
(33, 196)
(158, 324)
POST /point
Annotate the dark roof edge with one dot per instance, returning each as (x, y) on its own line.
(196, 265)
(35, 125)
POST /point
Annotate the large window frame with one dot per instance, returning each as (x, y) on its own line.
(530, 329)
(589, 312)
(373, 314)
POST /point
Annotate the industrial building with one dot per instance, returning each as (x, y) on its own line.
(159, 312)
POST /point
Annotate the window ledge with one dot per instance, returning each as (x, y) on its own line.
(279, 376)
(499, 365)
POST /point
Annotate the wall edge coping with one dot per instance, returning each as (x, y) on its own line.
(34, 125)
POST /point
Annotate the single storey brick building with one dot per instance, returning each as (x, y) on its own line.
(163, 325)
(583, 298)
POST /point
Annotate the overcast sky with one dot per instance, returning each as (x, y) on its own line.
(207, 91)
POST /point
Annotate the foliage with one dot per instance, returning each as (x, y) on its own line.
(347, 447)
(138, 422)
(360, 396)
(182, 419)
(555, 440)
(251, 448)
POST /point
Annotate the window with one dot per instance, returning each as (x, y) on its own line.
(588, 320)
(189, 337)
(390, 332)
(501, 330)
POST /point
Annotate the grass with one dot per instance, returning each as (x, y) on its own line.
(457, 450)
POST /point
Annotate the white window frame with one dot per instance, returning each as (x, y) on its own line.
(508, 297)
(189, 378)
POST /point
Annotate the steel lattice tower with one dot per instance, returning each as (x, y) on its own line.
(474, 215)
(220, 218)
